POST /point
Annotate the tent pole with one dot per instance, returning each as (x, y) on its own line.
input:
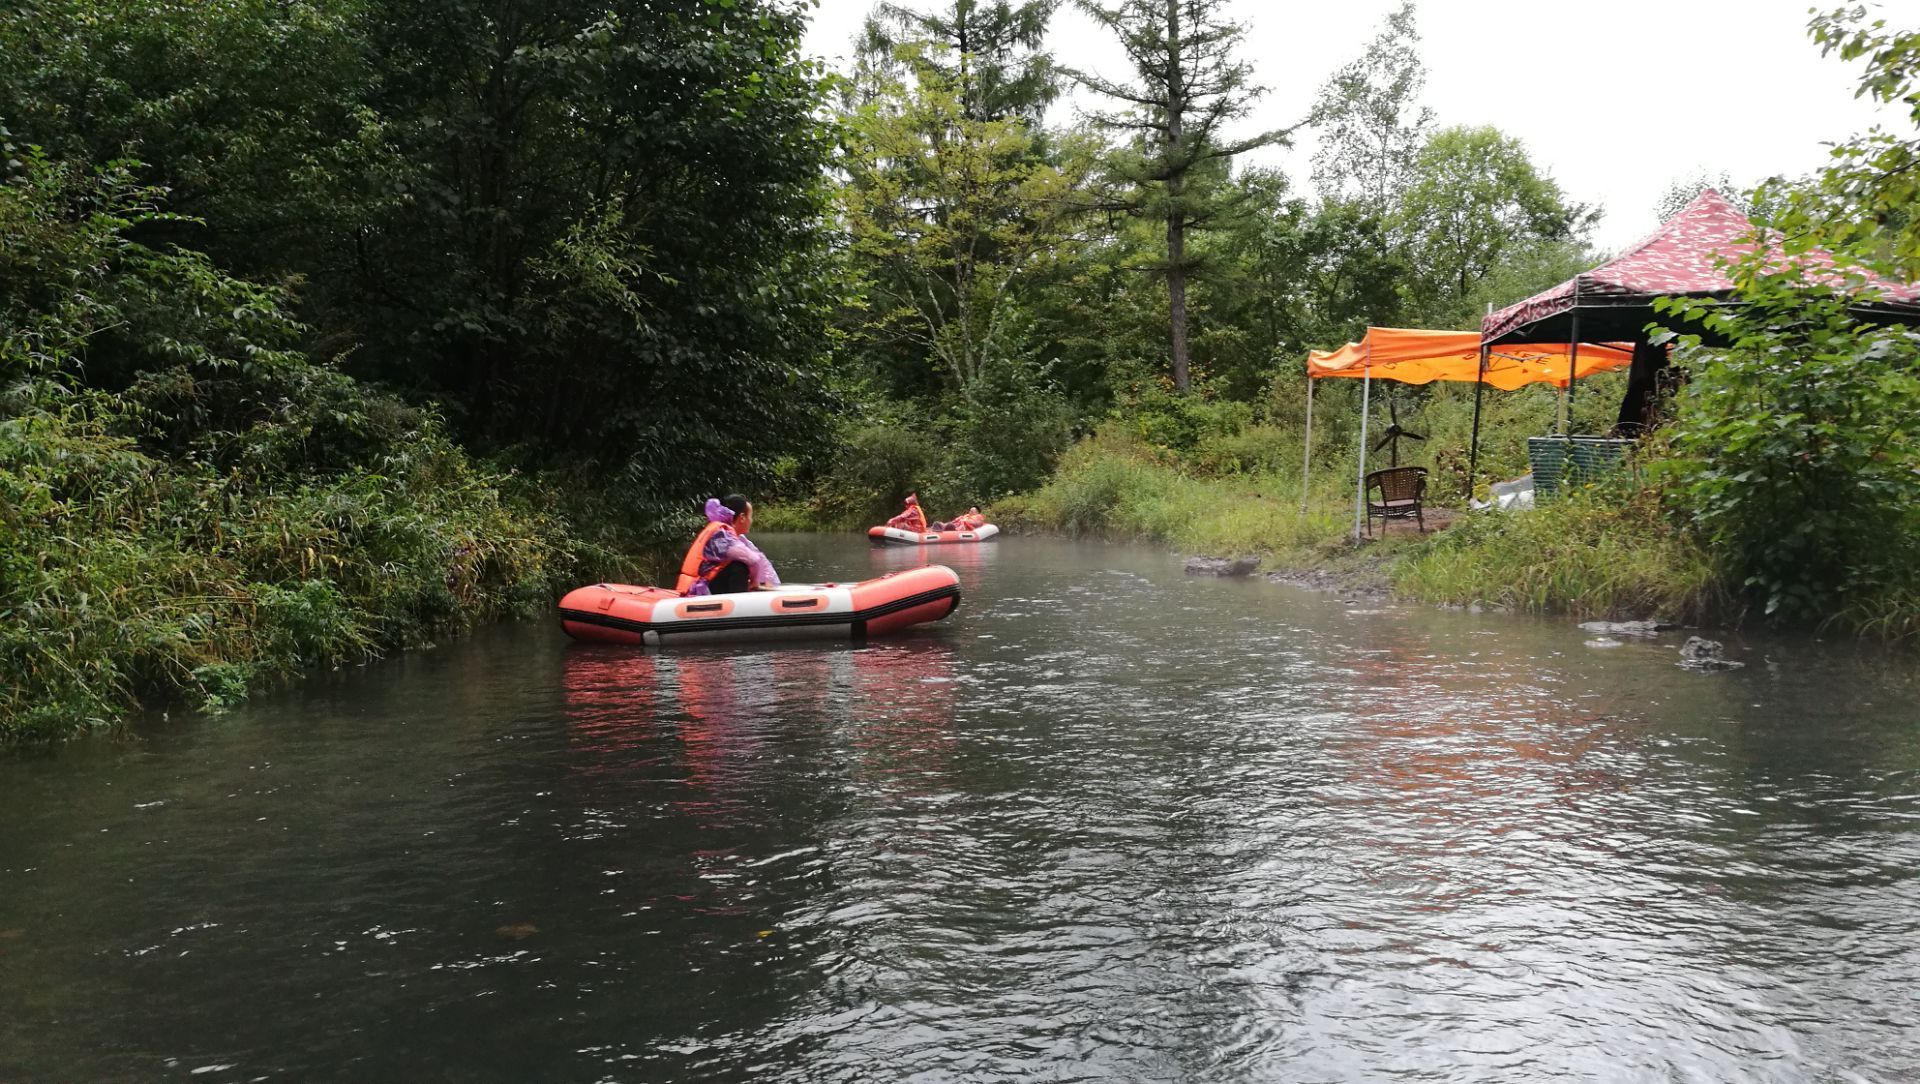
(1473, 449)
(1306, 465)
(1573, 364)
(1360, 483)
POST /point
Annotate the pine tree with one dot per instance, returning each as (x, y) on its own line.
(1188, 87)
(988, 52)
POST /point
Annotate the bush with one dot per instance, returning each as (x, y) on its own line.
(1179, 423)
(1113, 486)
(1797, 456)
(224, 510)
(1601, 551)
(1006, 439)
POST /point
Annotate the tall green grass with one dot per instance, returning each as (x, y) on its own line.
(1597, 553)
(128, 580)
(1115, 486)
(190, 504)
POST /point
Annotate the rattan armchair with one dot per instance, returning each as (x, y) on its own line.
(1401, 490)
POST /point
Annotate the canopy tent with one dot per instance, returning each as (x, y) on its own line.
(1418, 356)
(1614, 301)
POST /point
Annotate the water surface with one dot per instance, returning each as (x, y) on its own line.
(1105, 823)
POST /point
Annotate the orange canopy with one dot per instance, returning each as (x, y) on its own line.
(1414, 356)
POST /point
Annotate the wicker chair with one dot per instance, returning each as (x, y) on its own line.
(1401, 491)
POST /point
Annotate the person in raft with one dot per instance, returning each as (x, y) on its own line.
(721, 561)
(913, 519)
(972, 521)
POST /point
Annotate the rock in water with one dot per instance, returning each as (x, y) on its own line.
(1628, 628)
(1222, 566)
(1699, 653)
(1700, 648)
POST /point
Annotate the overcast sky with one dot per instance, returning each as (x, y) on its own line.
(1614, 100)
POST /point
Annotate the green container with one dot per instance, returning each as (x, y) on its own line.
(1560, 462)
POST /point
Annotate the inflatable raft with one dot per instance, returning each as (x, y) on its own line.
(618, 613)
(894, 536)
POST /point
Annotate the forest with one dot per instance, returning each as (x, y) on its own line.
(329, 327)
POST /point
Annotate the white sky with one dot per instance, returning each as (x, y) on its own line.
(1615, 100)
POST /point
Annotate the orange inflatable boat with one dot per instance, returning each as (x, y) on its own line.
(894, 536)
(618, 613)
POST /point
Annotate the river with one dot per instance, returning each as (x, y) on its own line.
(1107, 822)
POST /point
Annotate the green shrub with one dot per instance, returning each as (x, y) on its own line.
(225, 510)
(1114, 486)
(1798, 456)
(1601, 551)
(1006, 439)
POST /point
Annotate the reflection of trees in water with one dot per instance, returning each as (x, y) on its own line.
(1481, 772)
(969, 561)
(721, 728)
(901, 716)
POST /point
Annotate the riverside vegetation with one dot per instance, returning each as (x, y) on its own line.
(334, 326)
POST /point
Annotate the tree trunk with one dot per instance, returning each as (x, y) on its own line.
(1177, 291)
(1643, 390)
(1176, 212)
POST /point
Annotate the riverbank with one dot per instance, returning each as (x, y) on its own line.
(194, 505)
(1597, 554)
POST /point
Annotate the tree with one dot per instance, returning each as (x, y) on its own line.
(610, 238)
(1476, 202)
(949, 213)
(988, 51)
(1683, 191)
(1299, 274)
(1188, 88)
(1865, 200)
(1371, 122)
(248, 113)
(590, 230)
(1796, 441)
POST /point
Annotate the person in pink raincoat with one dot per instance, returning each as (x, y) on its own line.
(721, 561)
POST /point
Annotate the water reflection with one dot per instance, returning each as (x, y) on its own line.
(1106, 823)
(970, 561)
(717, 718)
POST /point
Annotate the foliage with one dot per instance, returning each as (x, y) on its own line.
(1476, 202)
(988, 51)
(1007, 438)
(251, 114)
(878, 463)
(1372, 125)
(1864, 201)
(1797, 448)
(1114, 486)
(232, 511)
(1684, 191)
(1189, 86)
(1290, 276)
(949, 216)
(590, 232)
(1602, 552)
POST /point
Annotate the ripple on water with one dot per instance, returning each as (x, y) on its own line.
(1110, 824)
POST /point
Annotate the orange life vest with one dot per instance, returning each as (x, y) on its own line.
(690, 565)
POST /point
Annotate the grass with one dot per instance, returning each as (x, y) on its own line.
(1598, 553)
(130, 580)
(1114, 487)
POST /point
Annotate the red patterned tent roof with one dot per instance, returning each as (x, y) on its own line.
(1615, 300)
